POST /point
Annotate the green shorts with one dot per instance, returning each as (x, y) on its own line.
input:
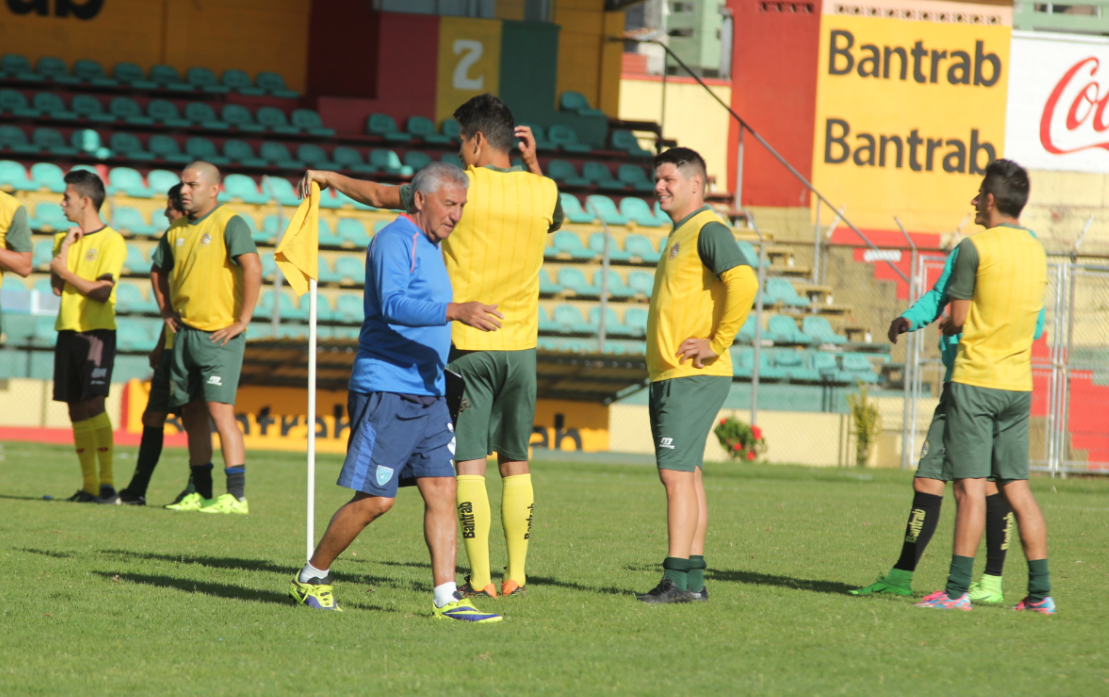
(500, 397)
(201, 369)
(159, 398)
(932, 462)
(986, 435)
(682, 412)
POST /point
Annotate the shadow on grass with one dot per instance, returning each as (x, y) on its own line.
(26, 498)
(45, 552)
(801, 584)
(538, 580)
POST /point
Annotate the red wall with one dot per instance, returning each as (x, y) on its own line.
(774, 69)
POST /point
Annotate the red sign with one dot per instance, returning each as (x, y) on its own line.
(1074, 116)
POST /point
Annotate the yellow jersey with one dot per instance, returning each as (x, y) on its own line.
(15, 232)
(1003, 272)
(97, 255)
(198, 256)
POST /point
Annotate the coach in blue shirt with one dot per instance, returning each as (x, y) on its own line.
(401, 430)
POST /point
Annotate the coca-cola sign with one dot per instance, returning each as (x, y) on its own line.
(1083, 123)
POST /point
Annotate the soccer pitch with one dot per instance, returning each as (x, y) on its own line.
(141, 600)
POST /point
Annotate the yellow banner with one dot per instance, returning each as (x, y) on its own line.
(908, 115)
(469, 62)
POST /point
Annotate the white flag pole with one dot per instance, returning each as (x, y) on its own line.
(311, 534)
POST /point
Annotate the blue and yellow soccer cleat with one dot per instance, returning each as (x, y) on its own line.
(896, 582)
(1044, 607)
(191, 502)
(227, 503)
(986, 591)
(463, 610)
(315, 594)
(940, 601)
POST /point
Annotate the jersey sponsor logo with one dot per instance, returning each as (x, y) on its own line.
(666, 443)
(466, 518)
(215, 380)
(531, 516)
(384, 474)
(206, 240)
(90, 255)
(675, 249)
(916, 522)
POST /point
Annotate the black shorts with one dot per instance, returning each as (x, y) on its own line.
(83, 364)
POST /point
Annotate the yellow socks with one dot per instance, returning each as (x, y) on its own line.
(517, 502)
(105, 446)
(84, 442)
(475, 517)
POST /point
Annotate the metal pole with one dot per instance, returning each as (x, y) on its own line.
(604, 278)
(739, 172)
(311, 508)
(662, 118)
(914, 284)
(758, 320)
(816, 246)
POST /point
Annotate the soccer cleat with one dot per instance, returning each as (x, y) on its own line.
(665, 592)
(986, 591)
(82, 496)
(181, 497)
(463, 610)
(315, 594)
(468, 590)
(700, 595)
(226, 503)
(191, 502)
(510, 587)
(897, 582)
(940, 601)
(1044, 607)
(127, 499)
(112, 500)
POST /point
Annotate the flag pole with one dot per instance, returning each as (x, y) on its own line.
(311, 532)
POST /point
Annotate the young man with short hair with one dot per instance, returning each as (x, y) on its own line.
(88, 260)
(704, 288)
(997, 291)
(15, 238)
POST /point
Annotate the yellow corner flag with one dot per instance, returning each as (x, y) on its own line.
(298, 253)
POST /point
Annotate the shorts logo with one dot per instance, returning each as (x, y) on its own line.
(90, 255)
(666, 443)
(99, 372)
(215, 380)
(384, 474)
(450, 427)
(452, 445)
(206, 240)
(675, 249)
(924, 451)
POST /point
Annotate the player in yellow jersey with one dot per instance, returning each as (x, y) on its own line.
(997, 290)
(206, 275)
(494, 256)
(704, 288)
(88, 260)
(15, 238)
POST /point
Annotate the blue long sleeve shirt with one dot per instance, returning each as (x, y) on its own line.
(930, 306)
(405, 335)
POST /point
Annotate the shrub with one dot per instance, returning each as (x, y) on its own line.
(741, 441)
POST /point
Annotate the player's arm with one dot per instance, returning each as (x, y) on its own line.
(929, 307)
(161, 263)
(241, 249)
(527, 149)
(961, 289)
(98, 289)
(367, 192)
(17, 256)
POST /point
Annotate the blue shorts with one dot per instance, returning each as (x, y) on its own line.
(395, 440)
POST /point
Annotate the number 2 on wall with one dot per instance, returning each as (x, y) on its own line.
(471, 52)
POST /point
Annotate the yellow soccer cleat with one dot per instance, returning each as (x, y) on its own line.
(227, 503)
(191, 502)
(463, 610)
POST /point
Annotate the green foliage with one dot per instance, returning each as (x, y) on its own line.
(866, 422)
(741, 441)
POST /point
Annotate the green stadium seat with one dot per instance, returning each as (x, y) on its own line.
(45, 335)
(240, 151)
(635, 176)
(573, 210)
(351, 269)
(616, 286)
(202, 115)
(613, 325)
(274, 120)
(14, 175)
(278, 155)
(569, 321)
(542, 143)
(130, 301)
(41, 255)
(242, 187)
(315, 157)
(240, 117)
(328, 200)
(564, 172)
(416, 159)
(599, 174)
(55, 69)
(309, 122)
(452, 130)
(635, 319)
(661, 216)
(287, 309)
(573, 279)
(792, 363)
(18, 329)
(239, 81)
(49, 217)
(348, 158)
(51, 106)
(383, 126)
(87, 141)
(326, 237)
(423, 129)
(13, 139)
(92, 73)
(129, 181)
(274, 85)
(269, 266)
(47, 175)
(127, 110)
(751, 253)
(345, 200)
(165, 148)
(132, 336)
(451, 158)
(597, 244)
(858, 368)
(160, 222)
(577, 103)
(825, 364)
(388, 162)
(642, 282)
(566, 139)
(604, 207)
(42, 286)
(136, 262)
(352, 230)
(281, 190)
(165, 113)
(52, 142)
(126, 219)
(546, 285)
(167, 77)
(15, 103)
(205, 80)
(129, 146)
(546, 325)
(821, 331)
(782, 329)
(781, 290)
(272, 227)
(16, 67)
(569, 243)
(349, 309)
(638, 210)
(747, 331)
(199, 148)
(627, 142)
(132, 75)
(88, 107)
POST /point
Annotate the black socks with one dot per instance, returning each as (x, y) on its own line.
(999, 533)
(923, 519)
(150, 451)
(202, 478)
(236, 480)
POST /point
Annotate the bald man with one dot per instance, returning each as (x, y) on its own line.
(206, 276)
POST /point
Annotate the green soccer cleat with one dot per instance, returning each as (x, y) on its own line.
(227, 503)
(463, 609)
(191, 502)
(897, 582)
(316, 594)
(987, 591)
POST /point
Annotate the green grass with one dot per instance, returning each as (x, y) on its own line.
(139, 601)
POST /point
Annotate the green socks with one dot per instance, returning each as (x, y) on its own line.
(1039, 581)
(696, 576)
(958, 579)
(677, 570)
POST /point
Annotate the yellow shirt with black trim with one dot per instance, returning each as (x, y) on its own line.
(1003, 272)
(704, 288)
(495, 253)
(96, 256)
(15, 231)
(205, 281)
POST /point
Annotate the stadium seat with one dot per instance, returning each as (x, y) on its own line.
(136, 262)
(566, 139)
(597, 244)
(240, 82)
(751, 253)
(166, 113)
(452, 130)
(55, 69)
(244, 188)
(281, 190)
(350, 270)
(616, 286)
(18, 329)
(352, 230)
(165, 148)
(240, 151)
(569, 243)
(349, 309)
(46, 175)
(781, 290)
(782, 329)
(132, 75)
(42, 254)
(272, 227)
(16, 67)
(642, 282)
(51, 141)
(205, 80)
(327, 272)
(274, 85)
(130, 300)
(821, 331)
(278, 155)
(348, 158)
(89, 107)
(825, 365)
(14, 175)
(132, 336)
(423, 128)
(160, 222)
(326, 237)
(564, 172)
(383, 126)
(347, 200)
(577, 103)
(613, 325)
(127, 180)
(573, 279)
(546, 285)
(315, 157)
(269, 266)
(129, 146)
(127, 110)
(546, 325)
(128, 220)
(416, 159)
(452, 159)
(92, 73)
(274, 120)
(661, 216)
(285, 306)
(15, 103)
(638, 210)
(49, 217)
(743, 361)
(203, 149)
(328, 200)
(167, 77)
(202, 115)
(309, 122)
(642, 248)
(45, 336)
(747, 331)
(858, 368)
(792, 363)
(599, 174)
(542, 143)
(604, 207)
(51, 106)
(388, 162)
(238, 116)
(635, 176)
(568, 319)
(627, 142)
(13, 139)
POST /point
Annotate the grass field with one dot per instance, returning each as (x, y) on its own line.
(140, 600)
